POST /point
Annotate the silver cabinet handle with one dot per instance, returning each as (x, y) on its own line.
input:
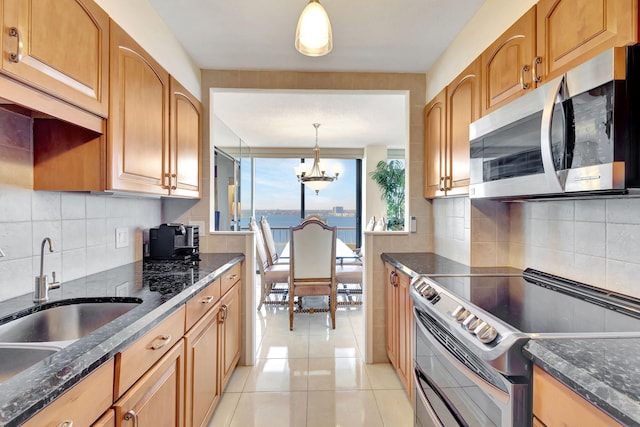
(173, 178)
(131, 416)
(160, 342)
(537, 77)
(66, 423)
(16, 57)
(166, 175)
(207, 300)
(524, 85)
(223, 313)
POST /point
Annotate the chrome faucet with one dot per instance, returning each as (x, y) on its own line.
(41, 290)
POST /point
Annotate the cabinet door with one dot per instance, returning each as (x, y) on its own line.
(230, 324)
(157, 398)
(506, 64)
(434, 145)
(391, 316)
(106, 420)
(572, 31)
(138, 136)
(463, 107)
(60, 47)
(405, 331)
(185, 142)
(202, 385)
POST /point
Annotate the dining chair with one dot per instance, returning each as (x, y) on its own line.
(272, 252)
(314, 218)
(270, 275)
(313, 266)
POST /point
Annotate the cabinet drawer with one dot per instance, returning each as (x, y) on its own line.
(202, 302)
(82, 404)
(230, 278)
(134, 361)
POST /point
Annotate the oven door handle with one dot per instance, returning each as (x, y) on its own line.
(419, 375)
(486, 387)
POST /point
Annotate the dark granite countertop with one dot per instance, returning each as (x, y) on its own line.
(428, 263)
(602, 370)
(163, 287)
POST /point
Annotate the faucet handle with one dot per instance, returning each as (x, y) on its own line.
(54, 284)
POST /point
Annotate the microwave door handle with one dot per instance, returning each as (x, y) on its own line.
(555, 89)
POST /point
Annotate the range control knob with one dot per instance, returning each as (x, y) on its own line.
(471, 323)
(460, 313)
(428, 292)
(486, 333)
(419, 286)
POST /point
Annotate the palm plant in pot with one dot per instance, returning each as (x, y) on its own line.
(390, 178)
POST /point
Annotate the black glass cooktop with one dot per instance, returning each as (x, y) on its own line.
(541, 303)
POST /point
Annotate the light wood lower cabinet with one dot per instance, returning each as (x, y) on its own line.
(157, 398)
(229, 320)
(202, 370)
(555, 404)
(82, 404)
(399, 323)
(108, 419)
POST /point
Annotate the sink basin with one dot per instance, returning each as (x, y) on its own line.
(71, 321)
(15, 359)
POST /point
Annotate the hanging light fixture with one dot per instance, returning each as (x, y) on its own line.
(316, 178)
(313, 34)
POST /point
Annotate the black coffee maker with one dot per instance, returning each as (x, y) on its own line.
(174, 242)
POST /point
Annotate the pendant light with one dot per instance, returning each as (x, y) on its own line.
(313, 34)
(316, 178)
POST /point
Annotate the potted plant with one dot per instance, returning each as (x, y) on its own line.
(390, 178)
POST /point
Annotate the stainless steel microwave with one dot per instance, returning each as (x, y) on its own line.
(575, 135)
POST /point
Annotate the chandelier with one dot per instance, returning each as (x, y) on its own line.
(316, 178)
(313, 34)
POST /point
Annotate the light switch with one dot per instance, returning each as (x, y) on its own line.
(122, 237)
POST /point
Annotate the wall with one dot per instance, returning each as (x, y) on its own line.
(483, 28)
(452, 228)
(593, 241)
(82, 226)
(143, 23)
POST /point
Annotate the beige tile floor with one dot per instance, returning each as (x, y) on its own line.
(312, 376)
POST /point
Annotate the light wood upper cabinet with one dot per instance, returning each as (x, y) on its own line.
(463, 108)
(507, 64)
(185, 140)
(138, 132)
(435, 114)
(60, 47)
(571, 31)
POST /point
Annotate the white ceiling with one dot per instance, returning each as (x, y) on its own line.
(369, 35)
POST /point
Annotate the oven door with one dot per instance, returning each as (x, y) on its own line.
(454, 388)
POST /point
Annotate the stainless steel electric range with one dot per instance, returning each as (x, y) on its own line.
(470, 330)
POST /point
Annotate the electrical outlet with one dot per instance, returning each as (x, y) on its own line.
(122, 237)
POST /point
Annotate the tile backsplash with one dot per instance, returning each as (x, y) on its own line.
(81, 226)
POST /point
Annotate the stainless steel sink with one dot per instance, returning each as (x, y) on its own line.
(67, 322)
(16, 358)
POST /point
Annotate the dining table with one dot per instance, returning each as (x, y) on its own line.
(343, 252)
